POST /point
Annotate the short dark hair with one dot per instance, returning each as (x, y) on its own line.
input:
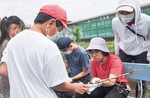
(58, 23)
(105, 53)
(42, 18)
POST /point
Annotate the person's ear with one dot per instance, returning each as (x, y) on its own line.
(51, 21)
(71, 46)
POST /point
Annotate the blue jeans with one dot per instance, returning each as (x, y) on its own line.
(5, 95)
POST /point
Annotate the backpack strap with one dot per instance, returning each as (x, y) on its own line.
(135, 33)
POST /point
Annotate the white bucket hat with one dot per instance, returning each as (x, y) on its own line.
(97, 44)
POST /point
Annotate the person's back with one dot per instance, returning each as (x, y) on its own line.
(31, 65)
(33, 62)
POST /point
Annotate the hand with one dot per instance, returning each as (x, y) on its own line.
(80, 88)
(97, 81)
(92, 87)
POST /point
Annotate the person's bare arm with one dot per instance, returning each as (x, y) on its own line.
(110, 82)
(84, 72)
(104, 82)
(3, 70)
(76, 87)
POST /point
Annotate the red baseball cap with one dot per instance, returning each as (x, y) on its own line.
(57, 12)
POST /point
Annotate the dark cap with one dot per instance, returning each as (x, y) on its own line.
(63, 43)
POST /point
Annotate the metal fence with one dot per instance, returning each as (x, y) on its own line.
(100, 26)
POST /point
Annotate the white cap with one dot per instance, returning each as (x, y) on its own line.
(125, 8)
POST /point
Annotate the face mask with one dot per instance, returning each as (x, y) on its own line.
(67, 52)
(126, 18)
(48, 36)
(52, 37)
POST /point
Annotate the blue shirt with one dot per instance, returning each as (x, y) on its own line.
(78, 60)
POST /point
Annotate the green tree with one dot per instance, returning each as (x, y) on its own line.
(76, 33)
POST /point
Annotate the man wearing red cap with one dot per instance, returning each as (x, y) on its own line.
(132, 37)
(35, 66)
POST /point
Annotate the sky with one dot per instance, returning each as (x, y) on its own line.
(76, 9)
